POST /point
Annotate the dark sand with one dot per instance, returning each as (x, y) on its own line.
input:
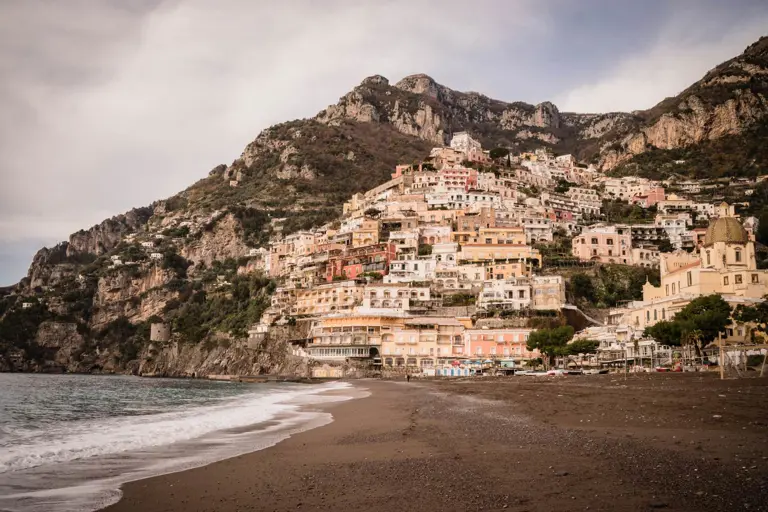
(658, 441)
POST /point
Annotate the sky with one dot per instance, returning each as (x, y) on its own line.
(109, 105)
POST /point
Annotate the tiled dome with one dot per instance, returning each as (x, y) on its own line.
(726, 229)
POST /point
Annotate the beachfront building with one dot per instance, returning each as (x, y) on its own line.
(353, 336)
(504, 343)
(336, 297)
(396, 296)
(425, 342)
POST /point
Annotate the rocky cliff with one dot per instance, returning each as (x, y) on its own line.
(730, 100)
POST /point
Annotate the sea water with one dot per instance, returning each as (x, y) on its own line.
(67, 442)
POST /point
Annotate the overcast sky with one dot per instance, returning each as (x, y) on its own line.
(111, 104)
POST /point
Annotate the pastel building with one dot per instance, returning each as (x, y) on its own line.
(547, 292)
(606, 244)
(725, 266)
(424, 342)
(499, 344)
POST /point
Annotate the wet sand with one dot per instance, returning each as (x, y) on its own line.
(659, 441)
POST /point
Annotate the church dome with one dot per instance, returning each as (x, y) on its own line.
(726, 229)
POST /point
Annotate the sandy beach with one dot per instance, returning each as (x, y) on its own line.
(674, 442)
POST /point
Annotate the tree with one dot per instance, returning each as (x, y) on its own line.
(703, 319)
(699, 323)
(757, 318)
(665, 245)
(551, 342)
(562, 186)
(497, 153)
(583, 347)
(425, 249)
(665, 332)
(583, 287)
(762, 228)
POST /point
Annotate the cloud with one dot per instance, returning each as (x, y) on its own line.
(109, 105)
(675, 60)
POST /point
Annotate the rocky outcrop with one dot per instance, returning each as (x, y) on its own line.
(103, 237)
(120, 293)
(63, 343)
(730, 99)
(692, 121)
(219, 357)
(222, 241)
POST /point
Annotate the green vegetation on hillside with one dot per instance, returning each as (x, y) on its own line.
(729, 156)
(198, 314)
(608, 286)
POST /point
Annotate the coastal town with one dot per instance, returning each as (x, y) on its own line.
(446, 269)
(458, 265)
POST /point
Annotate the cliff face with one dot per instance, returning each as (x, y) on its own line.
(103, 237)
(730, 99)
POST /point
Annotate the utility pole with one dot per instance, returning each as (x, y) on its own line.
(722, 355)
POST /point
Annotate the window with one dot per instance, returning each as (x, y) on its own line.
(609, 241)
(690, 278)
(521, 294)
(737, 279)
(708, 261)
(725, 280)
(648, 316)
(755, 279)
(594, 241)
(583, 241)
(610, 252)
(666, 287)
(673, 288)
(655, 313)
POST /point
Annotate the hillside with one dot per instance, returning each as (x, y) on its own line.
(77, 311)
(728, 103)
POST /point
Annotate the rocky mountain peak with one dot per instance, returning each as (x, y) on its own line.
(547, 115)
(420, 84)
(374, 80)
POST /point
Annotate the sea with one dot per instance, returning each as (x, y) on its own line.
(67, 442)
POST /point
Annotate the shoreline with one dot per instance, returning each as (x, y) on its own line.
(476, 445)
(91, 483)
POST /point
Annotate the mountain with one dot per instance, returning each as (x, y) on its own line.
(725, 111)
(77, 311)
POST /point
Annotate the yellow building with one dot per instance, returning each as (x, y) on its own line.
(356, 336)
(423, 342)
(725, 266)
(500, 252)
(366, 234)
(337, 297)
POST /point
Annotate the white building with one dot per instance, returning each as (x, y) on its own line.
(506, 294)
(463, 142)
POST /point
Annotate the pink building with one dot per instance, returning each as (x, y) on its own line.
(607, 244)
(498, 344)
(650, 198)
